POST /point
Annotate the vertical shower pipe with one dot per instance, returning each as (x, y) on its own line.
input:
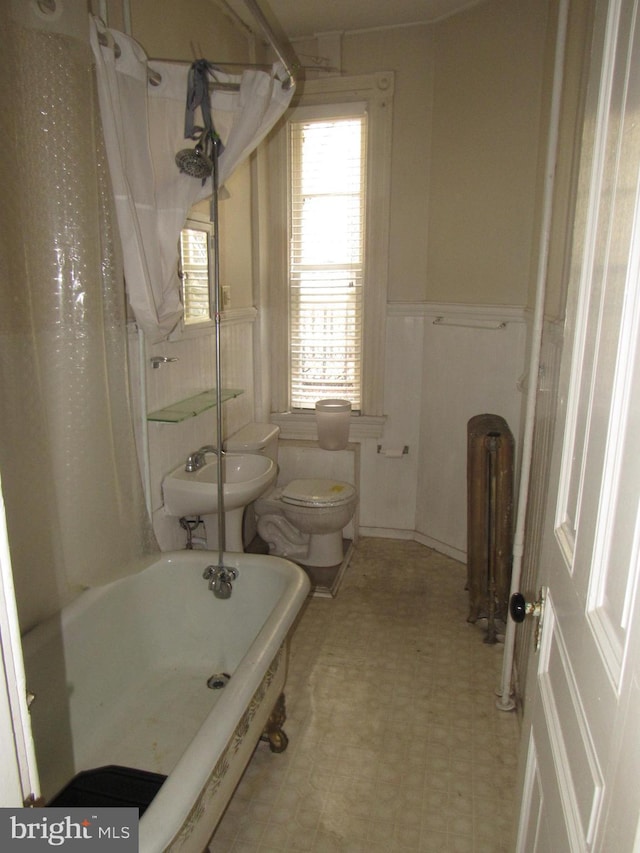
(126, 15)
(506, 701)
(222, 534)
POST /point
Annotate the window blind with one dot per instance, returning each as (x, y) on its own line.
(326, 269)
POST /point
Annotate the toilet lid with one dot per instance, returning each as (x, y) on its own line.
(318, 493)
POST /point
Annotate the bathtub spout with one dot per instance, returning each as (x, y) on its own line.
(220, 580)
(222, 588)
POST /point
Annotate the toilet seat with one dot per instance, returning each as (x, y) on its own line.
(317, 493)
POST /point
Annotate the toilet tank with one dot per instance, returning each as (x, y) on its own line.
(255, 438)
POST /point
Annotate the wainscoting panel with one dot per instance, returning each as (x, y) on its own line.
(389, 480)
(473, 363)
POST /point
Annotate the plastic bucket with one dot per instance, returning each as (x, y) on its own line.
(332, 418)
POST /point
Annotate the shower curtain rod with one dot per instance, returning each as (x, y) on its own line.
(274, 41)
(50, 7)
(155, 78)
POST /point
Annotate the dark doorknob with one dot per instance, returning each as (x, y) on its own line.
(518, 607)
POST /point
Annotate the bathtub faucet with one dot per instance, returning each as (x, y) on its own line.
(220, 580)
(197, 459)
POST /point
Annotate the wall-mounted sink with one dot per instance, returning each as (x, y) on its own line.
(246, 476)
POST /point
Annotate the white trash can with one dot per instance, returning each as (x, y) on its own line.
(332, 418)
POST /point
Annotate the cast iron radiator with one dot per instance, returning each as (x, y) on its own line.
(490, 453)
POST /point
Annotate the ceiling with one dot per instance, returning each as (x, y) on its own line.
(298, 18)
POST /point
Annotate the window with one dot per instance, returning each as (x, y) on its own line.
(326, 258)
(327, 229)
(196, 273)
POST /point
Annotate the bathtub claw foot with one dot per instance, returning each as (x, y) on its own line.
(278, 741)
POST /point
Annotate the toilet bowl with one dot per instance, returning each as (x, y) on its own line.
(303, 519)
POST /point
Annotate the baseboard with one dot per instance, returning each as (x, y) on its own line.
(442, 547)
(413, 535)
(386, 533)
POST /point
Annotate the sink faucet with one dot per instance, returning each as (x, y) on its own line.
(197, 459)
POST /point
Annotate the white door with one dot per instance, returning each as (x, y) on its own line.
(580, 767)
(19, 776)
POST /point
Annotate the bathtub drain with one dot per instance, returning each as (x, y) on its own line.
(218, 681)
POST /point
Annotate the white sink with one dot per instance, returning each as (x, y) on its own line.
(246, 476)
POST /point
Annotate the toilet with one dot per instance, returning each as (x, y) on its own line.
(304, 519)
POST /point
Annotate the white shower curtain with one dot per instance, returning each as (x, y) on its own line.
(143, 127)
(75, 508)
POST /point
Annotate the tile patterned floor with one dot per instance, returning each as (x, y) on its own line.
(395, 741)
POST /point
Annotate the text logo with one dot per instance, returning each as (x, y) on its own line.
(69, 829)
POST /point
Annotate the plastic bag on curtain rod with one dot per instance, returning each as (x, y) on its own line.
(144, 129)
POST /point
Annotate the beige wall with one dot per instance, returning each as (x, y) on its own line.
(489, 68)
(187, 30)
(408, 52)
(466, 131)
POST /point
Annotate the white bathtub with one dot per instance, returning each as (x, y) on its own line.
(120, 677)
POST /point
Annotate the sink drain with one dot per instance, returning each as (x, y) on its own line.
(218, 681)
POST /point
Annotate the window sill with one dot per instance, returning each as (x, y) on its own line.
(303, 426)
(228, 317)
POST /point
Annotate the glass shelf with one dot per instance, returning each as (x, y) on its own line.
(192, 406)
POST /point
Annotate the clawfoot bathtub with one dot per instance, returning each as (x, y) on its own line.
(124, 676)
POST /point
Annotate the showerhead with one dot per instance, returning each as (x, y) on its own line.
(194, 162)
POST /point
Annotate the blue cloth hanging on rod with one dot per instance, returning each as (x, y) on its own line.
(198, 96)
